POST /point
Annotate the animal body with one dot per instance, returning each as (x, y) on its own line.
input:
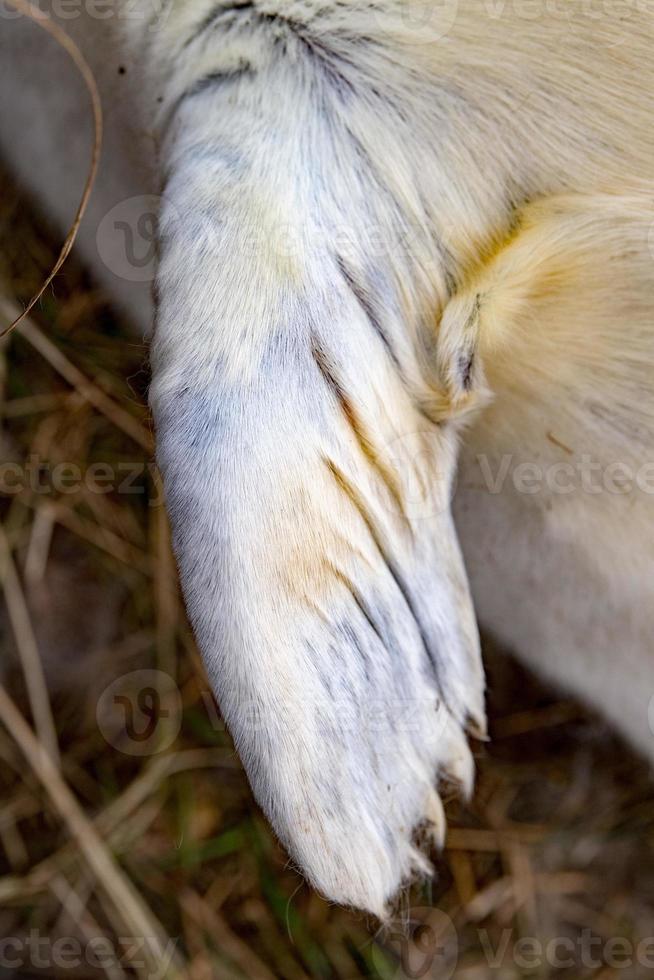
(392, 237)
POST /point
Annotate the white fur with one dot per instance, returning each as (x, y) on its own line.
(378, 241)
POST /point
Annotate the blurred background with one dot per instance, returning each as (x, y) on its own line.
(130, 845)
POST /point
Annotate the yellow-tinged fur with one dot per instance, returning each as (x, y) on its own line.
(565, 334)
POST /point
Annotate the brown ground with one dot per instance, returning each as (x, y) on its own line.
(557, 844)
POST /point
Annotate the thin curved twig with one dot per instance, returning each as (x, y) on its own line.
(51, 27)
